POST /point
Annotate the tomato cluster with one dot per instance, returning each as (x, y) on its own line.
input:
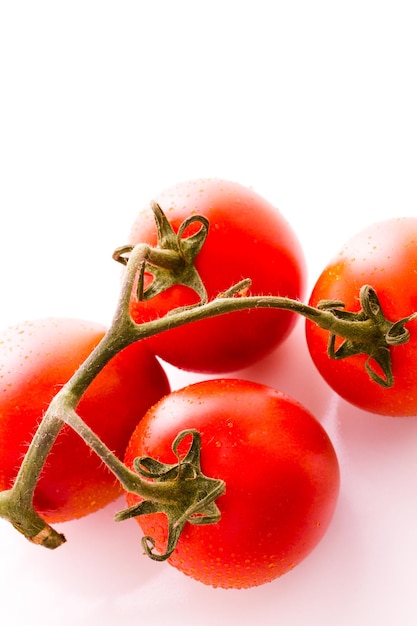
(277, 462)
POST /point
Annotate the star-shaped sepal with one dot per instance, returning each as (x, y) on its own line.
(367, 331)
(179, 490)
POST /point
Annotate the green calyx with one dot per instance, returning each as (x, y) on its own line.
(370, 333)
(179, 490)
(171, 262)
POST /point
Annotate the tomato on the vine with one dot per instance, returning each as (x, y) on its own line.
(247, 238)
(36, 359)
(281, 474)
(384, 256)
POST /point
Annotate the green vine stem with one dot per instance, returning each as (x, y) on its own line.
(366, 331)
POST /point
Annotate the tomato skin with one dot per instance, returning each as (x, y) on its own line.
(36, 359)
(281, 474)
(248, 238)
(384, 255)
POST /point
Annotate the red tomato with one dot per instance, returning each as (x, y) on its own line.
(36, 359)
(384, 255)
(248, 238)
(281, 474)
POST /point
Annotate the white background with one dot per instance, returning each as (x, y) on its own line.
(313, 104)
